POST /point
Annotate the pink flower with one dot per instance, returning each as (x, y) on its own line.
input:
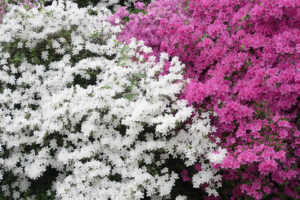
(184, 175)
(267, 190)
(198, 167)
(284, 124)
(139, 5)
(247, 157)
(267, 166)
(280, 155)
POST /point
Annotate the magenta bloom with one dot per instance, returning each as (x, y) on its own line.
(267, 166)
(184, 175)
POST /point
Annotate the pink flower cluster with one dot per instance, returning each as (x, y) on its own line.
(244, 61)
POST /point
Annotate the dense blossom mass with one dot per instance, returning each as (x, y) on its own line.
(113, 4)
(5, 4)
(90, 116)
(158, 99)
(243, 58)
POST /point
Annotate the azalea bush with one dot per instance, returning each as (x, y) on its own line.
(243, 59)
(83, 116)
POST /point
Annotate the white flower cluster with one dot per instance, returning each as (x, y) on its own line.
(114, 3)
(75, 101)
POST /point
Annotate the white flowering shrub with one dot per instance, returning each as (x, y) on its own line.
(112, 4)
(87, 116)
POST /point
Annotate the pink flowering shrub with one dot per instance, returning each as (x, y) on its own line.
(244, 61)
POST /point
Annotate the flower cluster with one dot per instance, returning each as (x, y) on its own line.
(5, 4)
(111, 4)
(115, 4)
(243, 60)
(91, 116)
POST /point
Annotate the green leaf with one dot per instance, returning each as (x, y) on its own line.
(205, 35)
(140, 75)
(105, 87)
(130, 96)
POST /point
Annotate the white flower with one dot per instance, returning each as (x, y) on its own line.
(217, 157)
(180, 197)
(117, 20)
(35, 170)
(204, 176)
(45, 55)
(20, 45)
